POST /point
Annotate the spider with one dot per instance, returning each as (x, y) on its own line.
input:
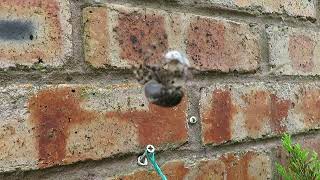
(163, 82)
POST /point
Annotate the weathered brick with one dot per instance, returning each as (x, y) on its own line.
(297, 50)
(141, 35)
(303, 8)
(312, 144)
(34, 31)
(250, 165)
(146, 34)
(247, 165)
(222, 45)
(173, 170)
(234, 112)
(52, 125)
(132, 34)
(96, 35)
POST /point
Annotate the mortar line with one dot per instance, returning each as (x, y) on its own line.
(218, 11)
(190, 156)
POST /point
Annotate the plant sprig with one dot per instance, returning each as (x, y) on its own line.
(301, 165)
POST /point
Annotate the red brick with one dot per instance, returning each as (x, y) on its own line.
(312, 144)
(222, 45)
(278, 111)
(265, 106)
(96, 32)
(47, 35)
(152, 124)
(246, 166)
(215, 169)
(52, 112)
(297, 49)
(250, 165)
(308, 105)
(258, 108)
(141, 36)
(174, 170)
(129, 36)
(176, 27)
(301, 50)
(69, 123)
(219, 118)
(147, 34)
(236, 112)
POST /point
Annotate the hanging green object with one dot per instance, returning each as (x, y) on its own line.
(149, 155)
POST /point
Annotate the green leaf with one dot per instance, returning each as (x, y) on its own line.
(302, 164)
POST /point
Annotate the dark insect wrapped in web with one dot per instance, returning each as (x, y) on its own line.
(163, 83)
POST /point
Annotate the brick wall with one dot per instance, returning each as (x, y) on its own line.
(70, 109)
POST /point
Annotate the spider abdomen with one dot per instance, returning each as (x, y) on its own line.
(161, 95)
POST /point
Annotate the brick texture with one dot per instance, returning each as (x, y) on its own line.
(305, 8)
(96, 35)
(234, 112)
(298, 49)
(247, 165)
(313, 144)
(222, 45)
(255, 67)
(52, 125)
(143, 35)
(34, 31)
(173, 170)
(299, 8)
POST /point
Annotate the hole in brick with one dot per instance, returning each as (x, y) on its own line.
(40, 60)
(133, 39)
(73, 90)
(31, 37)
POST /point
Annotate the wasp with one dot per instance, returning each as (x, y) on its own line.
(163, 83)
